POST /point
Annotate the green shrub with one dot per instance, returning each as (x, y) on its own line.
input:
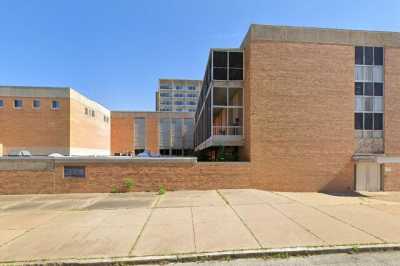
(162, 190)
(114, 189)
(129, 184)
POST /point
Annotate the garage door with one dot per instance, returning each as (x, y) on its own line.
(368, 176)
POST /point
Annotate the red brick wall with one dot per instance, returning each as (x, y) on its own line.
(147, 177)
(392, 100)
(391, 180)
(301, 115)
(43, 129)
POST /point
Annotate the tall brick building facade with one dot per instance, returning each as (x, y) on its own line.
(319, 107)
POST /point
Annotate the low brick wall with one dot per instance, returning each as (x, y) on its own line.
(103, 176)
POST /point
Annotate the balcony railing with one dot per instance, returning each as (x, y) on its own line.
(227, 130)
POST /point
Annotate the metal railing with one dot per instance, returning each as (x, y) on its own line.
(227, 130)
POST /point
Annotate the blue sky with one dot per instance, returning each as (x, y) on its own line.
(115, 51)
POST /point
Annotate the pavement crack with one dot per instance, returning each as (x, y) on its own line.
(240, 218)
(194, 230)
(152, 208)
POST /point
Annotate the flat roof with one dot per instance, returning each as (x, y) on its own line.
(278, 33)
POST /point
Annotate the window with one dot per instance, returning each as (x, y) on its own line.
(165, 94)
(378, 121)
(165, 86)
(106, 119)
(74, 172)
(235, 96)
(378, 56)
(378, 89)
(191, 88)
(179, 103)
(368, 124)
(55, 105)
(164, 152)
(220, 65)
(220, 96)
(36, 104)
(369, 89)
(359, 55)
(358, 121)
(86, 111)
(93, 113)
(358, 88)
(180, 88)
(18, 104)
(1, 103)
(368, 56)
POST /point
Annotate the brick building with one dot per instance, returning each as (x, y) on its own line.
(45, 120)
(303, 104)
(160, 133)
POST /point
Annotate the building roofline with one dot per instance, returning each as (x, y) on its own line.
(179, 79)
(321, 35)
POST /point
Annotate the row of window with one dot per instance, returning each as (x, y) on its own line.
(369, 55)
(178, 95)
(169, 87)
(368, 121)
(92, 113)
(368, 88)
(36, 104)
(178, 103)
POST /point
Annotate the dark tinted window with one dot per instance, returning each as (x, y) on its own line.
(220, 73)
(358, 88)
(378, 56)
(368, 54)
(358, 120)
(236, 59)
(378, 121)
(368, 121)
(1, 103)
(56, 105)
(36, 103)
(74, 171)
(220, 59)
(378, 89)
(235, 74)
(359, 55)
(18, 103)
(369, 89)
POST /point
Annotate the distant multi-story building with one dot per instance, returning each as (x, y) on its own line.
(177, 95)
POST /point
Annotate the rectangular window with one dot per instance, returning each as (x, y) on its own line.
(74, 172)
(368, 121)
(36, 104)
(191, 88)
(1, 103)
(55, 105)
(220, 96)
(378, 56)
(359, 55)
(93, 113)
(235, 74)
(358, 121)
(369, 89)
(378, 89)
(165, 86)
(235, 59)
(86, 111)
(378, 121)
(369, 56)
(358, 88)
(18, 104)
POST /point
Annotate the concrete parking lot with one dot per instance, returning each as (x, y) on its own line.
(48, 227)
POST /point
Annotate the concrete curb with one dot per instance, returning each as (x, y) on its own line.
(256, 253)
